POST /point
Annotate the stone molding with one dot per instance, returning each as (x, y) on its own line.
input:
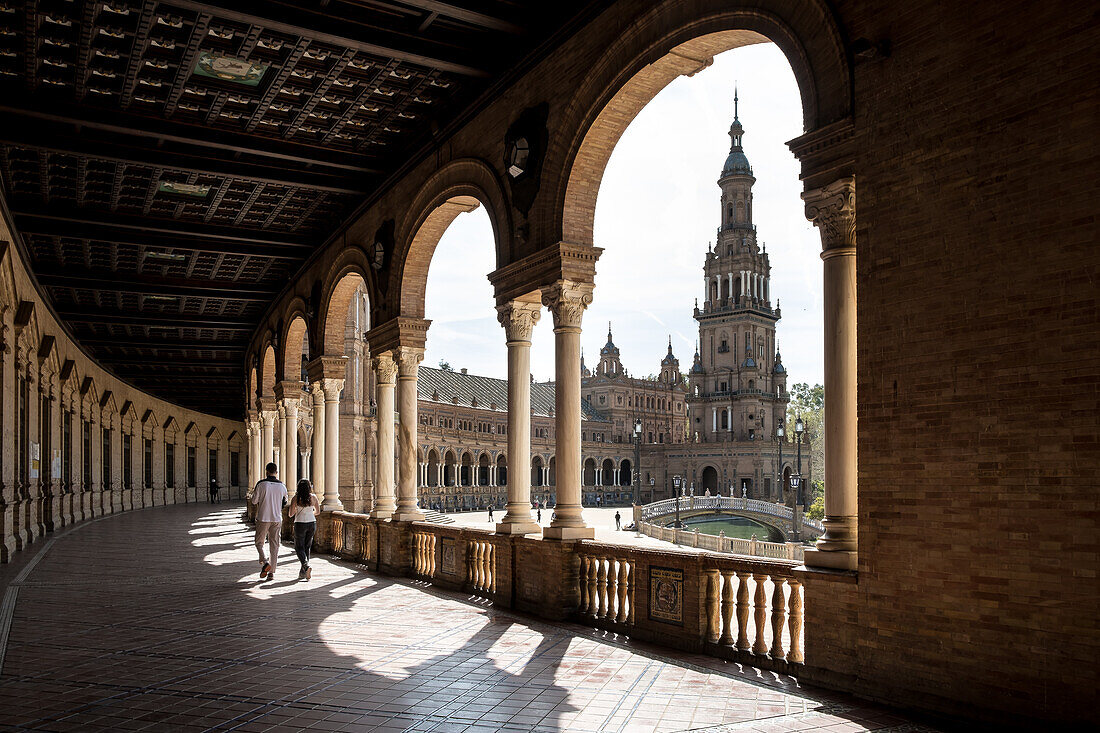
(567, 301)
(408, 362)
(563, 261)
(832, 209)
(327, 367)
(288, 390)
(519, 319)
(397, 333)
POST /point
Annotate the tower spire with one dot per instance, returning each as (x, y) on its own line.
(735, 101)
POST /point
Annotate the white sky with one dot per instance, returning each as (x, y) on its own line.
(657, 210)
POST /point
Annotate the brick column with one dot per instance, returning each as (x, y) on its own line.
(833, 210)
(519, 321)
(408, 364)
(567, 300)
(385, 377)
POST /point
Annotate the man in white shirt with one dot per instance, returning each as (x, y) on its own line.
(269, 497)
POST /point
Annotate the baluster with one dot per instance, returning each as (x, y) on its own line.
(593, 600)
(778, 617)
(582, 582)
(760, 609)
(630, 595)
(416, 554)
(470, 563)
(795, 654)
(710, 577)
(612, 589)
(601, 580)
(483, 566)
(477, 565)
(727, 608)
(491, 567)
(624, 591)
(743, 611)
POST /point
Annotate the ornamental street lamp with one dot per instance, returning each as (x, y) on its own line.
(676, 482)
(635, 480)
(799, 428)
(779, 433)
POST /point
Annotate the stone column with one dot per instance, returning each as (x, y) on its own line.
(332, 388)
(385, 377)
(833, 210)
(280, 437)
(288, 393)
(267, 417)
(317, 453)
(408, 364)
(255, 453)
(519, 319)
(567, 300)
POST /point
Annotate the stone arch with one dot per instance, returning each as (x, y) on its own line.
(502, 470)
(483, 462)
(669, 40)
(433, 477)
(607, 472)
(626, 476)
(708, 481)
(450, 478)
(457, 187)
(536, 471)
(589, 472)
(347, 276)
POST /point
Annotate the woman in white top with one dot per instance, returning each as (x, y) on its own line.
(303, 509)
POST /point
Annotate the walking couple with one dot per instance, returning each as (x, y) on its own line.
(270, 497)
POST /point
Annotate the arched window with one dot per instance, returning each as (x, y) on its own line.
(740, 211)
(729, 213)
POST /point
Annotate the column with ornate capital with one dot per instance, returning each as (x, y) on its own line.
(289, 394)
(267, 420)
(408, 364)
(385, 378)
(317, 453)
(567, 300)
(519, 319)
(332, 388)
(280, 436)
(833, 210)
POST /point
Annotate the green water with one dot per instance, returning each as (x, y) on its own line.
(733, 527)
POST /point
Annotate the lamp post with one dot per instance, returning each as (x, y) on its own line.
(676, 481)
(635, 480)
(779, 433)
(799, 428)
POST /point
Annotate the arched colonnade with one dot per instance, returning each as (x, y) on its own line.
(534, 158)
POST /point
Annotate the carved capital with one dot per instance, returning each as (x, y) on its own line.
(267, 417)
(832, 209)
(408, 361)
(317, 389)
(518, 319)
(385, 368)
(332, 388)
(567, 300)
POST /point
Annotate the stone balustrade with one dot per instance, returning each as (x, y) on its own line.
(747, 609)
(721, 543)
(667, 507)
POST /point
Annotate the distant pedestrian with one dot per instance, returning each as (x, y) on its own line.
(214, 491)
(538, 514)
(269, 497)
(304, 511)
(618, 521)
(490, 513)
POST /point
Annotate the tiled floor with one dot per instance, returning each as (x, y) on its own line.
(156, 620)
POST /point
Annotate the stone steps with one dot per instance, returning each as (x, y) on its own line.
(436, 517)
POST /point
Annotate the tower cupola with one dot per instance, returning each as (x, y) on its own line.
(736, 163)
(610, 365)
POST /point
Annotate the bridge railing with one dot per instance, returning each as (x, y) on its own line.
(720, 543)
(665, 507)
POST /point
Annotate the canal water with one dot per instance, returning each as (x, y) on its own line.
(733, 527)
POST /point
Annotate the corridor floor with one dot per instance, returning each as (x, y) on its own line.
(156, 620)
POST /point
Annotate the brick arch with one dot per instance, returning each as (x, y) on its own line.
(457, 187)
(267, 370)
(347, 273)
(295, 333)
(672, 39)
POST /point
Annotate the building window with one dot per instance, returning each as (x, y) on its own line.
(190, 466)
(213, 465)
(127, 462)
(106, 462)
(86, 455)
(169, 465)
(148, 466)
(235, 468)
(67, 448)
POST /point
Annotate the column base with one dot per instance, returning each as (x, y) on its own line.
(832, 559)
(334, 506)
(569, 533)
(408, 515)
(518, 528)
(381, 514)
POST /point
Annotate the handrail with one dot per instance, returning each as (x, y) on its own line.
(666, 507)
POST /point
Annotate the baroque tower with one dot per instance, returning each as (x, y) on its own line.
(738, 389)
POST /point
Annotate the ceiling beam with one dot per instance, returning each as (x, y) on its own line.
(472, 17)
(175, 365)
(22, 136)
(163, 320)
(129, 126)
(83, 219)
(34, 225)
(125, 342)
(327, 28)
(148, 285)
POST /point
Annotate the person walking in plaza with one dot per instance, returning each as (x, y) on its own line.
(214, 491)
(490, 512)
(618, 521)
(304, 510)
(269, 498)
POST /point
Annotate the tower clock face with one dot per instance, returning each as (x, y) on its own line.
(379, 255)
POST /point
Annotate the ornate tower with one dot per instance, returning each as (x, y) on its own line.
(670, 367)
(609, 365)
(736, 391)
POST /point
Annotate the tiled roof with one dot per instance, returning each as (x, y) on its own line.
(446, 387)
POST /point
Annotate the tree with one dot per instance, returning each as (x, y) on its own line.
(809, 403)
(445, 366)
